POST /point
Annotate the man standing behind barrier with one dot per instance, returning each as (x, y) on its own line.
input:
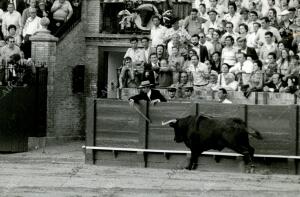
(147, 94)
(222, 95)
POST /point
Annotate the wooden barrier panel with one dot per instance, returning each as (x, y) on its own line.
(161, 137)
(278, 127)
(117, 124)
(278, 98)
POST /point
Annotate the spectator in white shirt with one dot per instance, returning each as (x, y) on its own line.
(157, 32)
(32, 25)
(11, 17)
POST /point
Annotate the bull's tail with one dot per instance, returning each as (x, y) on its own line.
(254, 133)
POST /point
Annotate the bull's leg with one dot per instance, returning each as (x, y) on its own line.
(193, 164)
(247, 152)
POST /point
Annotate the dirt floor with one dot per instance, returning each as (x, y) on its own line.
(61, 171)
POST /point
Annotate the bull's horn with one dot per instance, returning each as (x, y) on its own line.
(168, 122)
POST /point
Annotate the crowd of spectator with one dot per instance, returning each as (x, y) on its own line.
(240, 45)
(19, 20)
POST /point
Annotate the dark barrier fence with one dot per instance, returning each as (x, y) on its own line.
(23, 112)
(135, 142)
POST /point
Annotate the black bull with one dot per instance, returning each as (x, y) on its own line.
(202, 133)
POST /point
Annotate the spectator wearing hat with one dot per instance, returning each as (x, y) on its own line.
(285, 30)
(12, 31)
(11, 17)
(193, 22)
(188, 93)
(232, 16)
(212, 22)
(223, 96)
(176, 29)
(172, 92)
(249, 51)
(147, 93)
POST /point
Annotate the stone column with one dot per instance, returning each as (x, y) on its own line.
(43, 49)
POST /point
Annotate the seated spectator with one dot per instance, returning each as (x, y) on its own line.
(199, 73)
(127, 78)
(213, 83)
(212, 22)
(26, 14)
(161, 52)
(229, 32)
(165, 76)
(147, 93)
(187, 62)
(230, 83)
(283, 63)
(12, 31)
(182, 83)
(294, 66)
(9, 49)
(189, 93)
(222, 95)
(292, 85)
(154, 65)
(242, 69)
(174, 42)
(147, 49)
(249, 51)
(176, 61)
(217, 46)
(274, 85)
(32, 25)
(137, 55)
(270, 67)
(229, 52)
(171, 92)
(216, 62)
(256, 79)
(265, 27)
(222, 75)
(11, 17)
(61, 12)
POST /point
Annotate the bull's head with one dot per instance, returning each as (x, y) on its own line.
(178, 133)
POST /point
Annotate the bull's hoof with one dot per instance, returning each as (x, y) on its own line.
(195, 166)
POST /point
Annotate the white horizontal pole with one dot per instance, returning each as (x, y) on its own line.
(184, 152)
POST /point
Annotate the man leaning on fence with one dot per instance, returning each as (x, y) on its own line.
(147, 93)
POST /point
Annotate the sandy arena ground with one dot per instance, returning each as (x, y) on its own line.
(61, 172)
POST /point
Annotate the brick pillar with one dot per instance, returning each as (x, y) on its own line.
(43, 49)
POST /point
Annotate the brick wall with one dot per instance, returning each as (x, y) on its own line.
(93, 11)
(67, 113)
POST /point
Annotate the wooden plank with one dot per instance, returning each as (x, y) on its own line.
(163, 112)
(90, 128)
(273, 122)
